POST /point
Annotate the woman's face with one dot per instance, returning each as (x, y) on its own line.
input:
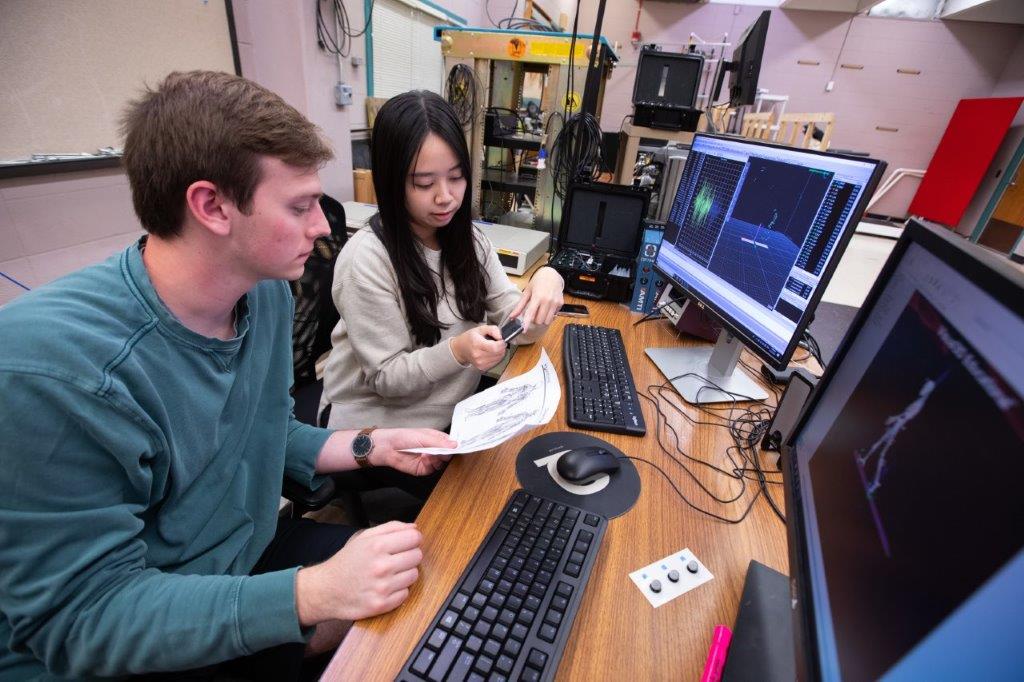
(435, 185)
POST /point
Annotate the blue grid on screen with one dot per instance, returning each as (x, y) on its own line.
(710, 194)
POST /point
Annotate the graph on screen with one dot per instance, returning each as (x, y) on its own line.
(710, 181)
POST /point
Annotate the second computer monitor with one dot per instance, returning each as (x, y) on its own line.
(756, 231)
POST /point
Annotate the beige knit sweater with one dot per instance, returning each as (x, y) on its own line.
(376, 374)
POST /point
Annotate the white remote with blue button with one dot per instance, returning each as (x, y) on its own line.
(666, 579)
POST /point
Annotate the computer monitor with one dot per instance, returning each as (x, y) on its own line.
(754, 235)
(746, 62)
(903, 477)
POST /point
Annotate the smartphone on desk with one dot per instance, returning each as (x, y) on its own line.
(573, 310)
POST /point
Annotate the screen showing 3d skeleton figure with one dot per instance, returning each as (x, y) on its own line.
(911, 466)
(752, 229)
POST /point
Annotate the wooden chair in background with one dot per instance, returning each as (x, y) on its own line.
(757, 126)
(797, 130)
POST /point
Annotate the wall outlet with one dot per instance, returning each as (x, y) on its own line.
(356, 60)
(343, 94)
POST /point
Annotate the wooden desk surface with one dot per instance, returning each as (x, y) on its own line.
(616, 634)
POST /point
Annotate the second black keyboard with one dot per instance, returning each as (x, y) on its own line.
(510, 614)
(601, 395)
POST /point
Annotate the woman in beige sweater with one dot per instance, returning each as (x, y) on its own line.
(421, 292)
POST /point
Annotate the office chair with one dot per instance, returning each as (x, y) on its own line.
(315, 317)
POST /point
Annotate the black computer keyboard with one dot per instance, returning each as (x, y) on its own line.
(601, 393)
(510, 614)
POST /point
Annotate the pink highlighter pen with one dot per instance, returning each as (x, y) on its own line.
(716, 654)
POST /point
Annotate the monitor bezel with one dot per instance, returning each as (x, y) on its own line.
(997, 278)
(750, 51)
(732, 325)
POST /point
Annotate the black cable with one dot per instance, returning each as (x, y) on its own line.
(576, 152)
(746, 431)
(691, 504)
(654, 310)
(340, 43)
(462, 92)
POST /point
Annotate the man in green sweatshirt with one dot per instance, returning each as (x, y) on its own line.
(146, 425)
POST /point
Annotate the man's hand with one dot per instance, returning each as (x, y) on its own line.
(389, 443)
(336, 454)
(480, 347)
(541, 299)
(369, 576)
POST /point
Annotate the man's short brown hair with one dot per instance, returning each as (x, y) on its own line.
(205, 125)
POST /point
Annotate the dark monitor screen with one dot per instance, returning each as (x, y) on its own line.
(746, 59)
(904, 478)
(756, 230)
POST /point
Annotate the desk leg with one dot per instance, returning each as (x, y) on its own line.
(628, 148)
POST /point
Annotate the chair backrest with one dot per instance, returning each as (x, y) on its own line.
(315, 313)
(797, 130)
(757, 125)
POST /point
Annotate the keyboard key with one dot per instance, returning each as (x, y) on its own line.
(547, 633)
(526, 617)
(577, 557)
(507, 617)
(553, 617)
(490, 614)
(461, 668)
(449, 619)
(591, 520)
(481, 628)
(492, 648)
(460, 601)
(537, 659)
(484, 664)
(529, 675)
(504, 664)
(475, 677)
(499, 631)
(573, 569)
(559, 603)
(478, 600)
(474, 643)
(423, 661)
(519, 631)
(532, 603)
(471, 614)
(564, 590)
(445, 658)
(437, 638)
(462, 628)
(512, 647)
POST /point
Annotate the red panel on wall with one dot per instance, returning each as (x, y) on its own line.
(962, 157)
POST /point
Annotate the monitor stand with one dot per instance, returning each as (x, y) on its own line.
(691, 369)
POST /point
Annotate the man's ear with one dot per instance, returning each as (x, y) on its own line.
(209, 207)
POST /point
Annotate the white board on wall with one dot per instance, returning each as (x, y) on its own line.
(67, 68)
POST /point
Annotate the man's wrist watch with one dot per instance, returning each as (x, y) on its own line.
(362, 446)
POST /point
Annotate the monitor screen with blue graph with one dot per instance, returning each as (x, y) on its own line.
(755, 231)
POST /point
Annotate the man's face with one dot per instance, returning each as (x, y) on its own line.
(276, 238)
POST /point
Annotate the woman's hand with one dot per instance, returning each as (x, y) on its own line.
(480, 347)
(541, 299)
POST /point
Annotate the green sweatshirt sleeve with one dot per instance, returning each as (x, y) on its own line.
(304, 445)
(77, 474)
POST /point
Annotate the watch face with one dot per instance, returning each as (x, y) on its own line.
(362, 445)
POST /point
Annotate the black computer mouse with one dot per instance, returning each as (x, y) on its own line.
(584, 463)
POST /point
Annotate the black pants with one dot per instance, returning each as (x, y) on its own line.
(297, 542)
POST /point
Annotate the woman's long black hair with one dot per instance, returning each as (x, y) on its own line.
(399, 130)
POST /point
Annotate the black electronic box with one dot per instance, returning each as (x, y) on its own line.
(599, 238)
(665, 89)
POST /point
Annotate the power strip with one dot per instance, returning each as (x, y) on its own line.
(666, 579)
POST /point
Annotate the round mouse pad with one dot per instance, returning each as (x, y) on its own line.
(608, 495)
